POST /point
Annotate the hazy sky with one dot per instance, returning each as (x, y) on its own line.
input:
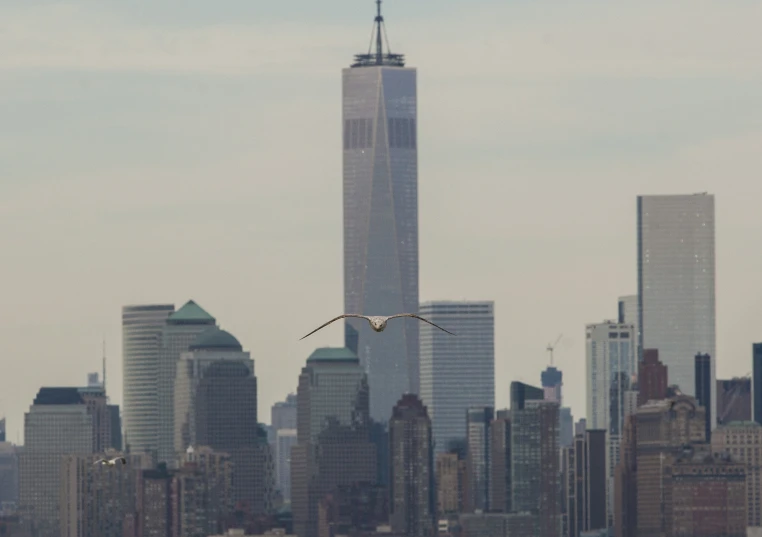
(192, 150)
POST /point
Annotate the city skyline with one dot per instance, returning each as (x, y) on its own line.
(497, 236)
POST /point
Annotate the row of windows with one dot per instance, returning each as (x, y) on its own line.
(358, 133)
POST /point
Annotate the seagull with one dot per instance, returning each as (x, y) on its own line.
(111, 462)
(377, 323)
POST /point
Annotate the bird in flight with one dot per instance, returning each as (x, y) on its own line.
(377, 323)
(111, 462)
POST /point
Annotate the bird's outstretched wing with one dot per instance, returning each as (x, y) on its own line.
(121, 459)
(414, 316)
(100, 461)
(333, 320)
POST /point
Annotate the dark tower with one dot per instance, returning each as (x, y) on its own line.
(704, 388)
(756, 383)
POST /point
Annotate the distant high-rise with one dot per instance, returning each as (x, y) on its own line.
(756, 382)
(381, 219)
(180, 331)
(413, 503)
(552, 380)
(521, 393)
(676, 283)
(535, 476)
(735, 438)
(457, 373)
(652, 377)
(585, 483)
(285, 439)
(611, 370)
(9, 473)
(283, 413)
(733, 400)
(478, 461)
(58, 423)
(141, 344)
(628, 314)
(664, 428)
(500, 463)
(333, 441)
(703, 388)
(216, 406)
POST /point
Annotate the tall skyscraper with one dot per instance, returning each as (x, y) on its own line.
(141, 343)
(412, 494)
(611, 370)
(180, 331)
(58, 423)
(756, 383)
(676, 283)
(285, 439)
(381, 219)
(333, 442)
(457, 373)
(628, 314)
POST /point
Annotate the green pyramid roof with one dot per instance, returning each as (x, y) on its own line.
(333, 354)
(191, 313)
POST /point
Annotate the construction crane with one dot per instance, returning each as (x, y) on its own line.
(552, 347)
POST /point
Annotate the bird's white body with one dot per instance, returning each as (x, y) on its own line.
(378, 323)
(111, 462)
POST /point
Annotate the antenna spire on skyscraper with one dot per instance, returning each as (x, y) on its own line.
(378, 57)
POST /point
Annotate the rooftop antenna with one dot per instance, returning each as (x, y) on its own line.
(379, 40)
(378, 57)
(550, 348)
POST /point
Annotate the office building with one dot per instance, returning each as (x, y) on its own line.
(742, 439)
(142, 326)
(676, 283)
(652, 378)
(733, 400)
(585, 483)
(535, 476)
(180, 331)
(457, 373)
(611, 394)
(413, 503)
(216, 406)
(664, 428)
(333, 442)
(708, 492)
(451, 483)
(628, 314)
(478, 461)
(9, 474)
(552, 380)
(95, 499)
(521, 393)
(283, 414)
(380, 167)
(58, 423)
(500, 463)
(285, 439)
